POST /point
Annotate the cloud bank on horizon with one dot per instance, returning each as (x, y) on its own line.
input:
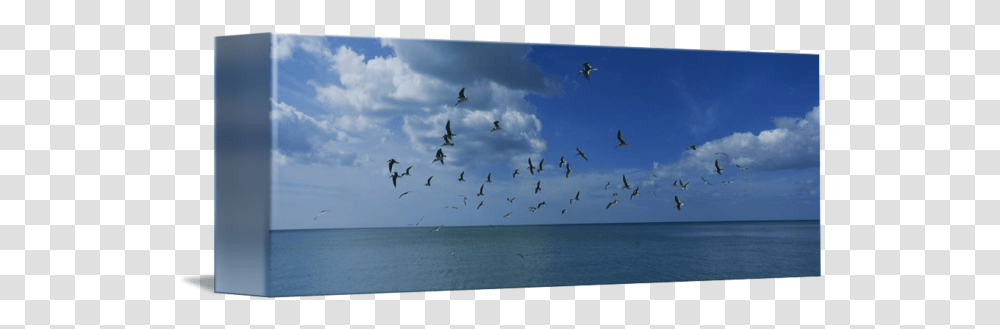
(360, 110)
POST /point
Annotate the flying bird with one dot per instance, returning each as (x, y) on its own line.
(634, 193)
(606, 185)
(684, 185)
(586, 70)
(723, 153)
(437, 228)
(576, 198)
(677, 203)
(464, 200)
(511, 200)
(489, 178)
(522, 256)
(540, 204)
(480, 190)
(567, 170)
(580, 153)
(480, 205)
(675, 183)
(321, 212)
(418, 221)
(562, 160)
(461, 177)
(516, 172)
(428, 181)
(718, 170)
(538, 187)
(407, 173)
(564, 211)
(496, 126)
(439, 157)
(614, 194)
(626, 183)
(727, 182)
(404, 193)
(450, 207)
(461, 97)
(621, 142)
(540, 163)
(447, 141)
(532, 209)
(706, 181)
(611, 203)
(531, 167)
(507, 215)
(693, 147)
(392, 162)
(395, 176)
(447, 129)
(741, 167)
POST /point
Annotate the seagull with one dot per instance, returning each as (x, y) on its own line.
(451, 207)
(723, 153)
(461, 96)
(532, 209)
(540, 204)
(684, 186)
(564, 211)
(489, 178)
(392, 162)
(706, 182)
(428, 181)
(480, 190)
(439, 157)
(576, 198)
(693, 147)
(626, 183)
(507, 215)
(621, 142)
(480, 205)
(516, 172)
(727, 182)
(461, 177)
(675, 183)
(678, 203)
(580, 153)
(610, 204)
(404, 193)
(511, 200)
(522, 256)
(395, 175)
(531, 167)
(562, 160)
(321, 213)
(614, 194)
(437, 228)
(447, 129)
(586, 70)
(447, 141)
(418, 221)
(741, 167)
(538, 187)
(540, 165)
(407, 173)
(496, 126)
(634, 193)
(464, 200)
(718, 170)
(606, 185)
(567, 170)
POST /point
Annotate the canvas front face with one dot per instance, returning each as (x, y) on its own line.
(410, 165)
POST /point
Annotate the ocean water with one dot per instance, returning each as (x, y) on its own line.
(351, 261)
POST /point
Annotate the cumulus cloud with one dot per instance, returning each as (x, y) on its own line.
(465, 63)
(792, 144)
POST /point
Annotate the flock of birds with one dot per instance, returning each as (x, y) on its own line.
(449, 136)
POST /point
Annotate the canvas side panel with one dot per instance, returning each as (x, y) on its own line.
(242, 163)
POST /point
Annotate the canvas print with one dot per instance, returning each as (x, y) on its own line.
(401, 165)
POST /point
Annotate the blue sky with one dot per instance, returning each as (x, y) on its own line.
(345, 105)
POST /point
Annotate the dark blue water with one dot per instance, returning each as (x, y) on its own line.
(349, 261)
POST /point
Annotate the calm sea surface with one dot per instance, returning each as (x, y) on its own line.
(349, 261)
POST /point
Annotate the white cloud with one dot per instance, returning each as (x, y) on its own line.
(792, 144)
